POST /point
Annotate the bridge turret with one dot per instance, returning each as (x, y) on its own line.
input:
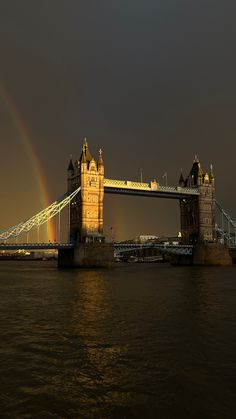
(70, 174)
(100, 161)
(200, 175)
(181, 180)
(211, 176)
(206, 178)
(70, 167)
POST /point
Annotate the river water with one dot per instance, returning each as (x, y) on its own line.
(137, 341)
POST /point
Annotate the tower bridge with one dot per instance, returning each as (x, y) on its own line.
(86, 186)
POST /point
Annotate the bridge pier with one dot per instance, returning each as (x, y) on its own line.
(211, 254)
(232, 253)
(205, 254)
(87, 255)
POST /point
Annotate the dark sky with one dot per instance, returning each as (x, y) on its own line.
(152, 82)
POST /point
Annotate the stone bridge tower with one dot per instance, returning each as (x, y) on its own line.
(198, 213)
(86, 210)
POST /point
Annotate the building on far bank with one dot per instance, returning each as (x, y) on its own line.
(145, 238)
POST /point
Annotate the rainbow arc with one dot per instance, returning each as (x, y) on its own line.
(28, 145)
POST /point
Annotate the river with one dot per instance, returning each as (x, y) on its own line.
(136, 341)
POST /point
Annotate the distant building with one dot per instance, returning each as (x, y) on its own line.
(145, 238)
(173, 240)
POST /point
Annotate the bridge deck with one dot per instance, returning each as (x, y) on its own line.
(118, 247)
(35, 246)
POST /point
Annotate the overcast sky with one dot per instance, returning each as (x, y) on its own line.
(151, 82)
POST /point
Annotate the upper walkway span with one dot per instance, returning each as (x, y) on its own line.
(152, 189)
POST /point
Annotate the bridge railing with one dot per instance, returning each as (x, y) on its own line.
(35, 246)
(115, 183)
(163, 248)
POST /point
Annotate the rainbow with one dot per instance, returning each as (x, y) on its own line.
(28, 146)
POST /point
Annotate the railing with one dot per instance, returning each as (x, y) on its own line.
(166, 248)
(35, 246)
(114, 183)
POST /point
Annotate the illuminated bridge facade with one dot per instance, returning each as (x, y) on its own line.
(85, 198)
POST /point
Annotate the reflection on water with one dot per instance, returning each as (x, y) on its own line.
(91, 316)
(136, 341)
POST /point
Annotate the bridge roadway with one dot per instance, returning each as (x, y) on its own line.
(118, 247)
(35, 246)
(152, 189)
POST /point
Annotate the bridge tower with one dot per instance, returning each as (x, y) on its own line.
(198, 218)
(198, 213)
(86, 211)
(86, 214)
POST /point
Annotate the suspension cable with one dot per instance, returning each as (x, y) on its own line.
(40, 218)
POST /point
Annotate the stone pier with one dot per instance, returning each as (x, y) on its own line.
(87, 255)
(205, 254)
(208, 254)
